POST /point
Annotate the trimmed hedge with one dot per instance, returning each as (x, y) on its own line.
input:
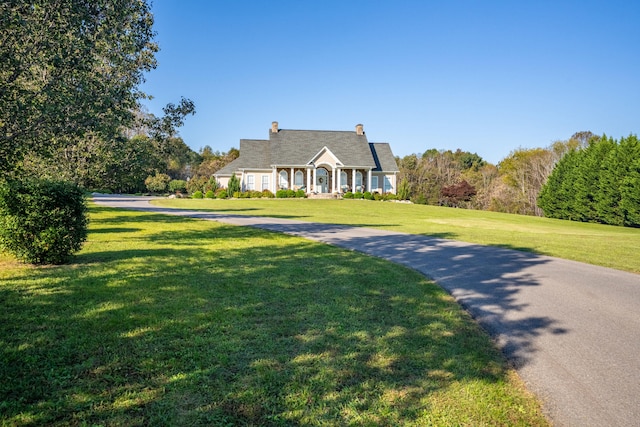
(41, 221)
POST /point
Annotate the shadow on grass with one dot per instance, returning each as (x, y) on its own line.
(483, 279)
(250, 328)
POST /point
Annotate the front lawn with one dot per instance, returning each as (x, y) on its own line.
(163, 320)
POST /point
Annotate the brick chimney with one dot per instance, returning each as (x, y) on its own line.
(359, 130)
(274, 127)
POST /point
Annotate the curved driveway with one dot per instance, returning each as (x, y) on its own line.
(572, 330)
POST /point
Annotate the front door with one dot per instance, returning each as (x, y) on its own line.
(322, 180)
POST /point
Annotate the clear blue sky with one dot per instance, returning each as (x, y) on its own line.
(483, 76)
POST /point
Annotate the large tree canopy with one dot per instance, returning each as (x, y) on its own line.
(69, 68)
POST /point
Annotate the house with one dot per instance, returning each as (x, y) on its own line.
(316, 161)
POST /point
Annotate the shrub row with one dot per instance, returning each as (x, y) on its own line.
(369, 196)
(222, 193)
(290, 194)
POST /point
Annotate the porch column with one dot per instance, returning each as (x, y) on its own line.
(338, 183)
(291, 180)
(241, 182)
(314, 180)
(369, 181)
(308, 180)
(333, 180)
(274, 181)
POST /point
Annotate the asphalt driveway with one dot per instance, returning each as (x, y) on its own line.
(572, 330)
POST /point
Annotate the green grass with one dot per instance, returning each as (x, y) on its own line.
(608, 246)
(163, 320)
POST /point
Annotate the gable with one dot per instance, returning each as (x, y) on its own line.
(325, 156)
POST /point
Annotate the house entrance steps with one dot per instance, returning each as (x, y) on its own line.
(322, 196)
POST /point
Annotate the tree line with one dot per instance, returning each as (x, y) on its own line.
(599, 183)
(584, 178)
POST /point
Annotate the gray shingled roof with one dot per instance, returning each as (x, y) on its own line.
(298, 147)
(385, 161)
(254, 154)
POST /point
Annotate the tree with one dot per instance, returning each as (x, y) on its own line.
(452, 195)
(617, 195)
(556, 197)
(526, 170)
(233, 186)
(586, 183)
(69, 68)
(213, 161)
(404, 189)
(599, 183)
(157, 183)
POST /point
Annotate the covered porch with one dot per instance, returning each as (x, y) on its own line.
(322, 179)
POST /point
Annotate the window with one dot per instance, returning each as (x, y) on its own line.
(299, 179)
(358, 181)
(251, 184)
(387, 185)
(284, 180)
(374, 183)
(344, 186)
(265, 182)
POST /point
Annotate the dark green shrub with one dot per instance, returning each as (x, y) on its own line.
(268, 194)
(377, 196)
(367, 195)
(197, 195)
(358, 195)
(281, 194)
(210, 195)
(222, 194)
(348, 195)
(178, 186)
(390, 196)
(42, 222)
(301, 194)
(291, 194)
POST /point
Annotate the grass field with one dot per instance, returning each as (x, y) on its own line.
(163, 320)
(608, 246)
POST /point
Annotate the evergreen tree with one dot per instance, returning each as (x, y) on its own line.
(630, 185)
(556, 197)
(608, 195)
(587, 180)
(233, 186)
